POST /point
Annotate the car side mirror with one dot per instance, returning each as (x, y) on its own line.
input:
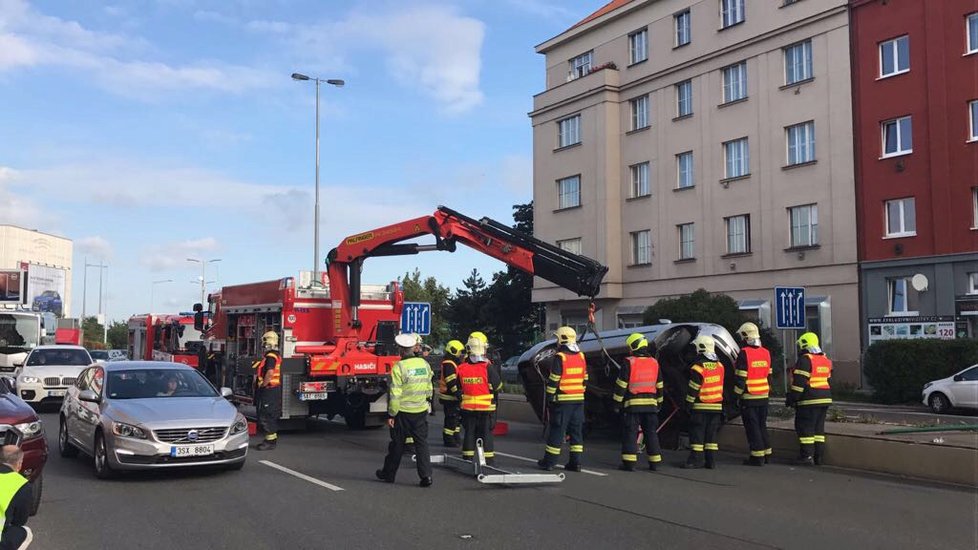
(958, 378)
(88, 395)
(199, 321)
(226, 392)
(19, 363)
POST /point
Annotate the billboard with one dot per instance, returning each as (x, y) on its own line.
(911, 328)
(11, 286)
(46, 288)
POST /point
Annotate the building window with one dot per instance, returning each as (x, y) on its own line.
(684, 98)
(973, 33)
(569, 131)
(569, 192)
(580, 65)
(895, 56)
(804, 225)
(973, 283)
(687, 242)
(641, 247)
(640, 112)
(735, 82)
(684, 170)
(901, 218)
(683, 28)
(731, 12)
(973, 120)
(738, 234)
(897, 137)
(630, 320)
(798, 62)
(903, 299)
(736, 156)
(801, 143)
(570, 245)
(638, 46)
(640, 180)
(974, 207)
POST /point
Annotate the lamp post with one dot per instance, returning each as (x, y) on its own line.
(152, 292)
(101, 267)
(203, 276)
(315, 245)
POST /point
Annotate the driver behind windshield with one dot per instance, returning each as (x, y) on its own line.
(171, 387)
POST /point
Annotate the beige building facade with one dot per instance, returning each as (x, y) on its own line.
(18, 245)
(703, 144)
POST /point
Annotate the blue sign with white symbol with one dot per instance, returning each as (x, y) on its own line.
(790, 305)
(416, 318)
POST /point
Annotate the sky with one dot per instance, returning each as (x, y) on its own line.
(152, 131)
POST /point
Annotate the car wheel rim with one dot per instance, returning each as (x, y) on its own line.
(100, 456)
(63, 437)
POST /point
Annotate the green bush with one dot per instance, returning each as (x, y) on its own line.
(898, 369)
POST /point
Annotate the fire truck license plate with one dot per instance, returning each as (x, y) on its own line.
(191, 450)
(318, 396)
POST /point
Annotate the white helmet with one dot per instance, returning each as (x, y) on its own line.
(476, 346)
(270, 340)
(704, 345)
(406, 340)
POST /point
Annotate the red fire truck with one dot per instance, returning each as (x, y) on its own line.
(164, 337)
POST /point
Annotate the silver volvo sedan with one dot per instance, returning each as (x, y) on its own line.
(133, 415)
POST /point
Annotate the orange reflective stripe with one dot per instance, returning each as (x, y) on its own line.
(572, 376)
(276, 378)
(442, 386)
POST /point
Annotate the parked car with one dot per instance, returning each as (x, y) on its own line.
(49, 371)
(99, 355)
(49, 300)
(118, 355)
(957, 391)
(20, 425)
(510, 371)
(138, 415)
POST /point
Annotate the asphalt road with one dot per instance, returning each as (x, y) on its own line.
(260, 507)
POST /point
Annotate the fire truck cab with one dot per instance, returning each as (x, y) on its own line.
(164, 337)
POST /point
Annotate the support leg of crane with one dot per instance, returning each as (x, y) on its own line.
(491, 474)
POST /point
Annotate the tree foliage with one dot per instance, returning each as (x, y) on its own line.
(898, 369)
(93, 333)
(428, 290)
(118, 335)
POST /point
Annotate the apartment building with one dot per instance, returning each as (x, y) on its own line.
(703, 144)
(915, 86)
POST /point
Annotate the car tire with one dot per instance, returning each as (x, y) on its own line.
(65, 448)
(37, 486)
(101, 459)
(939, 403)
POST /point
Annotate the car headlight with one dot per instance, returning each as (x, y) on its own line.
(127, 430)
(240, 425)
(29, 380)
(30, 430)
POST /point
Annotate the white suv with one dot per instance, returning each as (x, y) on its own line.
(48, 371)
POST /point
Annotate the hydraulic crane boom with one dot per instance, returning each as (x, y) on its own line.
(574, 272)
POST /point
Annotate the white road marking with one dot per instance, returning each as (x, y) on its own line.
(301, 476)
(533, 460)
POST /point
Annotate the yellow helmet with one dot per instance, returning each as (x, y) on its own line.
(636, 341)
(454, 348)
(566, 335)
(270, 339)
(476, 346)
(808, 341)
(749, 332)
(704, 344)
(480, 336)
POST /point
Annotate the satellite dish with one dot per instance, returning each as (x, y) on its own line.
(919, 282)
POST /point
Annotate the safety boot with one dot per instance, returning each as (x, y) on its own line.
(711, 461)
(819, 453)
(805, 461)
(693, 462)
(381, 475)
(267, 445)
(626, 467)
(572, 467)
(754, 461)
(545, 465)
(449, 442)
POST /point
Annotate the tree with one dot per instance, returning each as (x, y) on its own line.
(118, 335)
(93, 333)
(428, 290)
(465, 312)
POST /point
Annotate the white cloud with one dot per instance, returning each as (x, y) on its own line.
(174, 254)
(15, 207)
(541, 8)
(95, 246)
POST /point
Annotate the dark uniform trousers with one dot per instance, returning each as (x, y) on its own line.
(413, 425)
(703, 428)
(566, 419)
(649, 422)
(269, 410)
(755, 425)
(810, 426)
(475, 425)
(453, 422)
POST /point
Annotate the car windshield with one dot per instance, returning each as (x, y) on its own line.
(58, 357)
(158, 383)
(19, 333)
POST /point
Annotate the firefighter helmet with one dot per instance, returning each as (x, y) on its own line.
(704, 344)
(270, 339)
(566, 336)
(406, 340)
(749, 332)
(808, 342)
(636, 341)
(480, 336)
(454, 348)
(476, 346)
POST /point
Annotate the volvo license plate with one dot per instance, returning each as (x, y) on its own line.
(191, 450)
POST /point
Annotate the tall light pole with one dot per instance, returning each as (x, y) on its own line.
(203, 276)
(152, 292)
(315, 244)
(101, 267)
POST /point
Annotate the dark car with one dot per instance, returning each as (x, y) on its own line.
(510, 370)
(20, 425)
(49, 300)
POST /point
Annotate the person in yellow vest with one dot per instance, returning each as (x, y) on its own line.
(565, 398)
(409, 396)
(638, 391)
(15, 500)
(811, 396)
(447, 391)
(269, 380)
(753, 369)
(476, 393)
(704, 403)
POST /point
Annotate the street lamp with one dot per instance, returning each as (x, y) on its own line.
(152, 292)
(102, 267)
(203, 276)
(339, 84)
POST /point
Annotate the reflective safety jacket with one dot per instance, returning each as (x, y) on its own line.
(753, 367)
(706, 385)
(639, 384)
(272, 362)
(568, 375)
(448, 382)
(810, 381)
(477, 383)
(10, 483)
(410, 388)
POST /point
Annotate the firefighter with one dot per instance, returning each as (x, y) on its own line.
(477, 397)
(269, 380)
(753, 367)
(565, 398)
(704, 403)
(495, 367)
(638, 391)
(811, 396)
(407, 409)
(447, 390)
